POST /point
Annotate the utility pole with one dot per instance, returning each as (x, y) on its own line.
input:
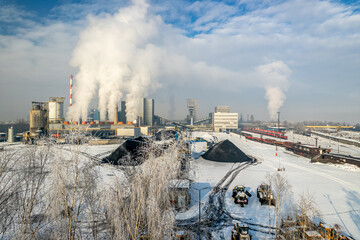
(199, 189)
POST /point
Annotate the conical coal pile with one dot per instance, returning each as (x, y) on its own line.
(129, 153)
(225, 151)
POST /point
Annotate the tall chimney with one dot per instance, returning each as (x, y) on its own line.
(116, 115)
(71, 83)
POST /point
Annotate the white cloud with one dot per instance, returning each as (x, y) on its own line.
(318, 40)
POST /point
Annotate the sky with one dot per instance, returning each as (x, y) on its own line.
(299, 57)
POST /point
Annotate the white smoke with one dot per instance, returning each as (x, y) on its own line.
(117, 57)
(276, 83)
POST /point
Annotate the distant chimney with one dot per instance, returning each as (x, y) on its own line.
(71, 83)
(116, 115)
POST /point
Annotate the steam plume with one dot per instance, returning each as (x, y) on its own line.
(117, 57)
(276, 83)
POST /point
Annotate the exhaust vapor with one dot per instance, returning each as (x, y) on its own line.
(117, 58)
(276, 83)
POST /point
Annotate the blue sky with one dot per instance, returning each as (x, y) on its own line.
(216, 48)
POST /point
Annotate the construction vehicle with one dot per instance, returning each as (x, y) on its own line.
(313, 235)
(330, 233)
(180, 235)
(265, 195)
(30, 137)
(240, 195)
(305, 228)
(240, 232)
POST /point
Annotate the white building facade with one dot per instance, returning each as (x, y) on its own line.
(225, 121)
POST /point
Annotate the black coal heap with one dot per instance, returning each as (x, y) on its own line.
(165, 135)
(129, 153)
(225, 151)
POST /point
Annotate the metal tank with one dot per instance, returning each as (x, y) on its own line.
(11, 135)
(56, 109)
(148, 112)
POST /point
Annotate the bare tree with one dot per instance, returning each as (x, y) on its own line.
(9, 189)
(307, 209)
(71, 180)
(282, 191)
(31, 195)
(142, 207)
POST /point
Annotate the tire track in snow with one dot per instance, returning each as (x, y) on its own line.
(319, 173)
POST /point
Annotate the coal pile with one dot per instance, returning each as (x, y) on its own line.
(165, 135)
(130, 153)
(225, 151)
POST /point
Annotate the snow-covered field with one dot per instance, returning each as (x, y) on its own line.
(336, 189)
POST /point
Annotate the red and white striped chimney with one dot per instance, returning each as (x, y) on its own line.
(71, 82)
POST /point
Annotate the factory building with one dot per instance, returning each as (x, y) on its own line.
(224, 120)
(222, 109)
(93, 115)
(56, 109)
(38, 117)
(192, 107)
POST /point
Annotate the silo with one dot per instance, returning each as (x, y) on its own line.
(148, 111)
(11, 135)
(56, 109)
(38, 116)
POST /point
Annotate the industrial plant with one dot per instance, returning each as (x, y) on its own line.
(211, 153)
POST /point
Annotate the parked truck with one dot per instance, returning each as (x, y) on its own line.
(265, 194)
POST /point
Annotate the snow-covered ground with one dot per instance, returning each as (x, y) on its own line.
(336, 189)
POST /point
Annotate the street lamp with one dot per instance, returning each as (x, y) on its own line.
(200, 189)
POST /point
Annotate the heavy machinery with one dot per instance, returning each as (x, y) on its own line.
(240, 195)
(330, 233)
(313, 235)
(290, 229)
(240, 232)
(32, 137)
(265, 195)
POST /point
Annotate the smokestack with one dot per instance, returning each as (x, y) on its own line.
(278, 121)
(71, 83)
(116, 115)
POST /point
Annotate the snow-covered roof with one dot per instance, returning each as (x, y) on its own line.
(179, 183)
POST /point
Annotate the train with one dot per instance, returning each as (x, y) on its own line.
(275, 134)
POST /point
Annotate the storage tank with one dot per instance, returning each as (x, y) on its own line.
(11, 135)
(38, 116)
(148, 112)
(56, 109)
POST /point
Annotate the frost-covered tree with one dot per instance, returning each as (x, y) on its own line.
(282, 191)
(10, 185)
(71, 185)
(142, 206)
(306, 211)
